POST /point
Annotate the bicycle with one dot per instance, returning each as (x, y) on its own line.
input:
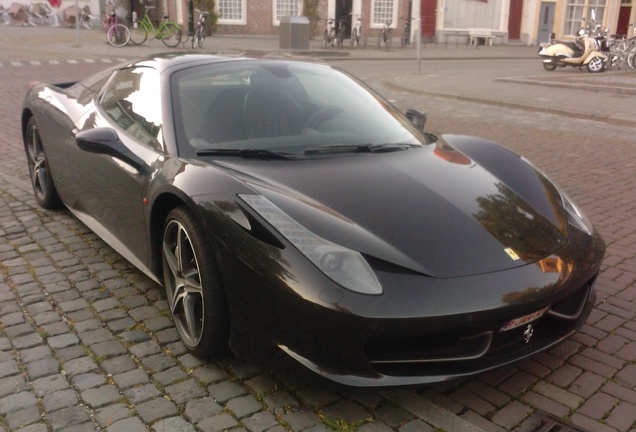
(406, 33)
(117, 34)
(631, 49)
(385, 38)
(356, 32)
(340, 34)
(168, 31)
(200, 30)
(329, 35)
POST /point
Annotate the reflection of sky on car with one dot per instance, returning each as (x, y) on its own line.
(150, 106)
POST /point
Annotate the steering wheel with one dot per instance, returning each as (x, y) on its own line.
(322, 115)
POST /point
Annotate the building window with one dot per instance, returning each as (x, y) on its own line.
(283, 8)
(231, 11)
(577, 9)
(382, 11)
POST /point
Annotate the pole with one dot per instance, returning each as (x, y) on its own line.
(418, 38)
(77, 24)
(190, 18)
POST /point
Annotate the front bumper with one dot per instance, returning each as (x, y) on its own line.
(421, 329)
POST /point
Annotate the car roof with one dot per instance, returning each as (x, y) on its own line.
(175, 61)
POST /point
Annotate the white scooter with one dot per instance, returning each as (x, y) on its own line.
(584, 51)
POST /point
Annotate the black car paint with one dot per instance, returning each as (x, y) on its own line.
(473, 288)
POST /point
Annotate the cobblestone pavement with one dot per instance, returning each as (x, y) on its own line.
(86, 342)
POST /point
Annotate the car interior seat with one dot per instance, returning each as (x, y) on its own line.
(269, 111)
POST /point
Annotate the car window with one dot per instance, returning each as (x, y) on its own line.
(132, 100)
(280, 106)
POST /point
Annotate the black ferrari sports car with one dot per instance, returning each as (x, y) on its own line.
(297, 217)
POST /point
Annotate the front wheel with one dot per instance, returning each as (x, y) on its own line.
(193, 285)
(202, 34)
(597, 64)
(549, 66)
(195, 37)
(631, 59)
(138, 35)
(39, 169)
(118, 35)
(170, 35)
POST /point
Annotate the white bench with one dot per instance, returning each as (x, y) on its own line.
(474, 34)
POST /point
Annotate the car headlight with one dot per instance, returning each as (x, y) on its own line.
(344, 266)
(576, 215)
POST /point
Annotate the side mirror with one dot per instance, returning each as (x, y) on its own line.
(416, 117)
(106, 141)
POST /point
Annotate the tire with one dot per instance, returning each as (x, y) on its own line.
(138, 35)
(325, 40)
(118, 35)
(354, 38)
(202, 34)
(193, 286)
(195, 37)
(39, 170)
(596, 65)
(631, 59)
(381, 39)
(171, 35)
(389, 39)
(549, 66)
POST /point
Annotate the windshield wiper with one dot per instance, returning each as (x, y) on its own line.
(360, 148)
(246, 153)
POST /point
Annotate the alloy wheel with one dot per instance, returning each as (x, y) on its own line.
(183, 283)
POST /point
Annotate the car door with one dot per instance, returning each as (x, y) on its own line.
(111, 201)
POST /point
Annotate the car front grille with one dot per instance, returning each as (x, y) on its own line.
(456, 353)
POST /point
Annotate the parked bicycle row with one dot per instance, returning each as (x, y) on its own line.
(334, 36)
(36, 14)
(169, 32)
(118, 32)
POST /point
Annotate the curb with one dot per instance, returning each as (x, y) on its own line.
(400, 82)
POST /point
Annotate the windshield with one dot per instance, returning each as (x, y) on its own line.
(283, 107)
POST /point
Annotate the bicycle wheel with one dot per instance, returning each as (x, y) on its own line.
(195, 36)
(631, 58)
(138, 35)
(170, 34)
(354, 38)
(202, 34)
(381, 39)
(389, 39)
(118, 35)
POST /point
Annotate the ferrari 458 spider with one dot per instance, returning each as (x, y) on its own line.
(294, 215)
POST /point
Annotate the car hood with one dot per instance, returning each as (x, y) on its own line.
(460, 207)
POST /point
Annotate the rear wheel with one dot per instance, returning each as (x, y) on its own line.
(597, 64)
(193, 285)
(549, 66)
(170, 35)
(138, 35)
(39, 170)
